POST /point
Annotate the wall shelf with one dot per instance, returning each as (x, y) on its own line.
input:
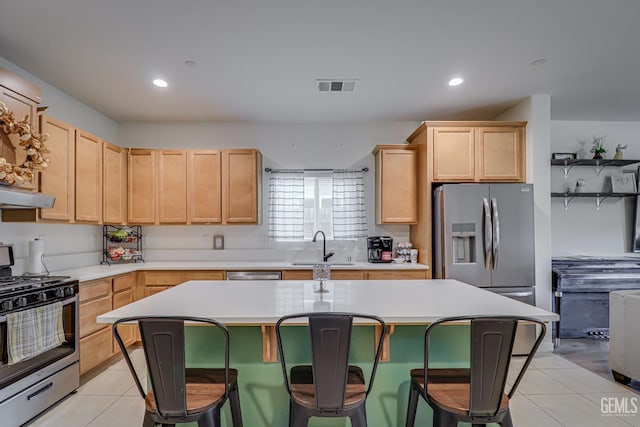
(600, 197)
(598, 164)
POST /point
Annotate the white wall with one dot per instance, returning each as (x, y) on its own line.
(582, 229)
(66, 246)
(282, 145)
(536, 110)
(64, 107)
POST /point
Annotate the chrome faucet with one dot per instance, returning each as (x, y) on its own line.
(325, 255)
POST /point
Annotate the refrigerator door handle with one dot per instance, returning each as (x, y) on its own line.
(496, 231)
(487, 235)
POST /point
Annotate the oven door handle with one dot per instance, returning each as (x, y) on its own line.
(70, 300)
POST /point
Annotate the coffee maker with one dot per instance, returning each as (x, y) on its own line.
(380, 248)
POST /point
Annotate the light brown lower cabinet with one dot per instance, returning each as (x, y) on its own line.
(124, 292)
(88, 313)
(95, 338)
(153, 282)
(397, 275)
(95, 349)
(297, 275)
(150, 290)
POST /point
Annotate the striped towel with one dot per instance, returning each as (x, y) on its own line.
(33, 332)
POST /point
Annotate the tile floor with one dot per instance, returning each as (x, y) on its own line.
(592, 354)
(554, 392)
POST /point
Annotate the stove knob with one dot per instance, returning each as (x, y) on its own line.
(21, 302)
(7, 305)
(69, 290)
(42, 296)
(59, 292)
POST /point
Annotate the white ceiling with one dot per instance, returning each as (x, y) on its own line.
(257, 60)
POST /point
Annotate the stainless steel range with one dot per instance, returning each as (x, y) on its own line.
(35, 381)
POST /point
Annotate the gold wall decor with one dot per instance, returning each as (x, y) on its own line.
(33, 143)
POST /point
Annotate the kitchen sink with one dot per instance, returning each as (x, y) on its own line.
(330, 263)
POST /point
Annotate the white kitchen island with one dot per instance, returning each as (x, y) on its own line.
(398, 302)
(251, 308)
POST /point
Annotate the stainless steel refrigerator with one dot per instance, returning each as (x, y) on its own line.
(484, 236)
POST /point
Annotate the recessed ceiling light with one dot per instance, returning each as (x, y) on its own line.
(539, 61)
(457, 81)
(160, 83)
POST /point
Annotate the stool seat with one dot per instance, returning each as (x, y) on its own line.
(205, 389)
(303, 391)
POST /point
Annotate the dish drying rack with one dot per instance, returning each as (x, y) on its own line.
(121, 244)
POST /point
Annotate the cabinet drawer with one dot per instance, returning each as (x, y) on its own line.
(347, 275)
(124, 282)
(95, 349)
(95, 289)
(122, 298)
(88, 313)
(168, 278)
(396, 275)
(150, 290)
(297, 275)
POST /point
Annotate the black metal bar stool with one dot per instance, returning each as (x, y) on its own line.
(329, 387)
(475, 395)
(179, 394)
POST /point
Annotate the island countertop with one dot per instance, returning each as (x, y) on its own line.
(264, 302)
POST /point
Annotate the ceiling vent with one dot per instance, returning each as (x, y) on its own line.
(336, 85)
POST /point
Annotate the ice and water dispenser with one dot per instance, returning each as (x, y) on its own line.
(463, 242)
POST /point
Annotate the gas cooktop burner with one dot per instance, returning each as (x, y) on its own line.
(13, 283)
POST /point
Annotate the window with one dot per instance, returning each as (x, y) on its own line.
(318, 204)
(302, 203)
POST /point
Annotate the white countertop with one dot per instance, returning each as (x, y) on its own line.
(263, 302)
(100, 271)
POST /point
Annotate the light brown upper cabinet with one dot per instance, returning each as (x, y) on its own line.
(396, 184)
(204, 187)
(501, 155)
(241, 186)
(114, 178)
(21, 98)
(59, 178)
(88, 189)
(477, 151)
(172, 187)
(453, 154)
(141, 187)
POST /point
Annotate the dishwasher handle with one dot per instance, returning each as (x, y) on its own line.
(253, 275)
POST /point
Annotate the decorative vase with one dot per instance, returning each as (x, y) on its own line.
(597, 156)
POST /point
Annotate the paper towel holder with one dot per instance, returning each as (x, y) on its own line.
(36, 265)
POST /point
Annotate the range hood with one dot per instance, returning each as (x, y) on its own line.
(12, 198)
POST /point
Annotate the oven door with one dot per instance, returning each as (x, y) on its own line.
(16, 376)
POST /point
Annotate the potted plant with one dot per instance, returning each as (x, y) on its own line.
(598, 148)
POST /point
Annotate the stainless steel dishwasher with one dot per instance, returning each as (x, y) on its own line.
(253, 275)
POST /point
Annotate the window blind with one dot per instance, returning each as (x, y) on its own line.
(349, 211)
(286, 206)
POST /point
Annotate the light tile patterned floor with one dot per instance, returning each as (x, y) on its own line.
(554, 392)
